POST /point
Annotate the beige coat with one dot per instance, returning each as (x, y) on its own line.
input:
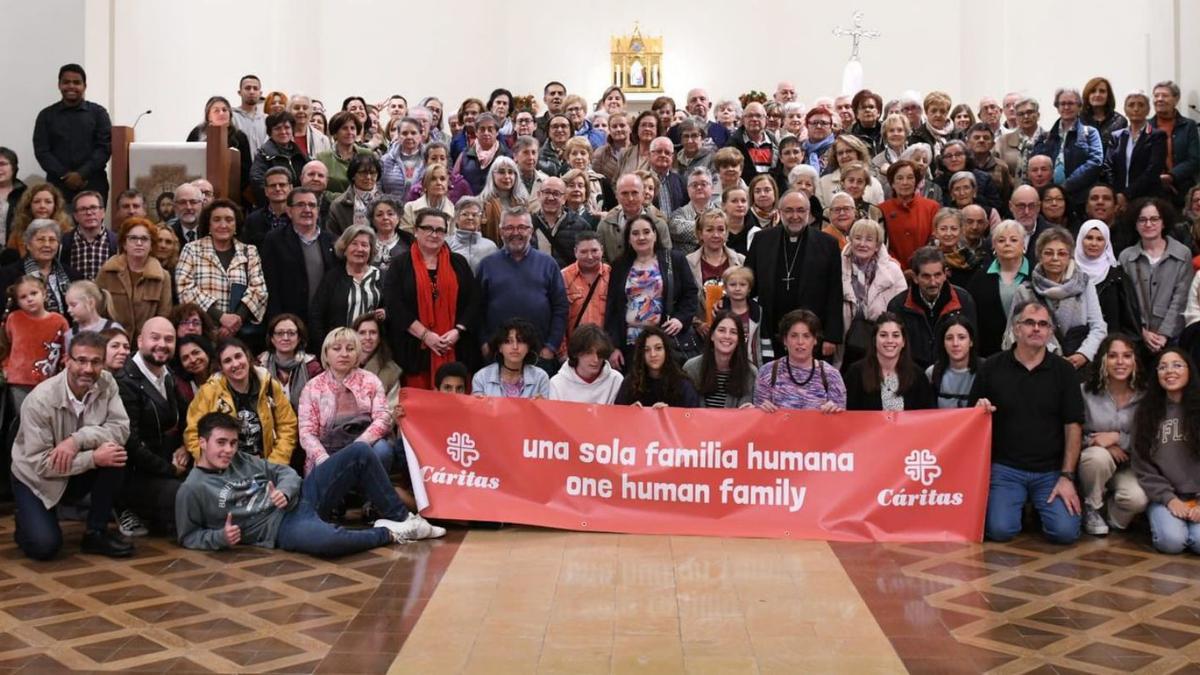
(132, 306)
(889, 282)
(47, 419)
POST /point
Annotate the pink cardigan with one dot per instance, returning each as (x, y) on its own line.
(889, 282)
(318, 403)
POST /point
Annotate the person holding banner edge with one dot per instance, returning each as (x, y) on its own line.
(798, 380)
(1037, 431)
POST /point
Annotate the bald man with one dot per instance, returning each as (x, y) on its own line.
(672, 193)
(760, 154)
(158, 462)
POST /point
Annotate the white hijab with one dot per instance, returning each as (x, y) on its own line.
(1096, 268)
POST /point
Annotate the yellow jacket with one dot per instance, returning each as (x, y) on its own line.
(279, 426)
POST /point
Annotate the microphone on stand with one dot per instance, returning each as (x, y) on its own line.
(139, 118)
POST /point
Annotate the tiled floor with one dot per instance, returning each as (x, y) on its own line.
(526, 600)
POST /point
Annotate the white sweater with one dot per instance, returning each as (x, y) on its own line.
(568, 386)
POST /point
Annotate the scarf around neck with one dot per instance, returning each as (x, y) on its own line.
(1064, 297)
(814, 151)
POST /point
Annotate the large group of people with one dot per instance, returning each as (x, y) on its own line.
(855, 254)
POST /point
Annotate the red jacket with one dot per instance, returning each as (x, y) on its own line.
(909, 227)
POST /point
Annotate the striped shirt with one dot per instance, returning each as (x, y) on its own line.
(365, 295)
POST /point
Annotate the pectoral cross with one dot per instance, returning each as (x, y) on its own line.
(787, 281)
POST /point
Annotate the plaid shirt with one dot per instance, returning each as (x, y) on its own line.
(87, 257)
(202, 279)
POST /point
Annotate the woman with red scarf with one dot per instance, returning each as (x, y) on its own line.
(431, 302)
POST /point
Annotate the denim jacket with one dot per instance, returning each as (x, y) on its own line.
(535, 382)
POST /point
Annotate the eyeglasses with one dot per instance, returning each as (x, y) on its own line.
(1149, 220)
(819, 123)
(1173, 365)
(1040, 324)
(1030, 206)
(304, 205)
(429, 229)
(88, 209)
(1054, 199)
(953, 155)
(286, 333)
(138, 238)
(842, 209)
(194, 321)
(551, 193)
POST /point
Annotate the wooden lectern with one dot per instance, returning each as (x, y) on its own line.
(222, 164)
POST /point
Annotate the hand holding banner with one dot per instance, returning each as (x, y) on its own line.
(855, 476)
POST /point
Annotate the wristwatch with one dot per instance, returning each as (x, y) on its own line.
(1069, 475)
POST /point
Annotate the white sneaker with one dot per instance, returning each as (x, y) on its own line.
(413, 528)
(130, 525)
(1093, 523)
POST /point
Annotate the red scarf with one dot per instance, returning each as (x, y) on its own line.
(437, 315)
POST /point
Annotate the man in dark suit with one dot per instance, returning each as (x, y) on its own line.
(672, 193)
(1026, 208)
(295, 258)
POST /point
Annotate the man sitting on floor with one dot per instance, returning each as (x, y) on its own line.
(233, 498)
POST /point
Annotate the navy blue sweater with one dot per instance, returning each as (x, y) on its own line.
(531, 289)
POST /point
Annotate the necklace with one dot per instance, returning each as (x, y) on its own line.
(789, 278)
(812, 369)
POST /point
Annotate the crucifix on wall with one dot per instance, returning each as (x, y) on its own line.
(852, 75)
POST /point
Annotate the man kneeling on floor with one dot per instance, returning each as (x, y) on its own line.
(234, 498)
(70, 444)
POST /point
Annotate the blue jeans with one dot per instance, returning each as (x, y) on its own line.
(389, 454)
(37, 532)
(354, 467)
(1008, 491)
(1171, 534)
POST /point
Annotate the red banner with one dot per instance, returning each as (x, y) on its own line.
(855, 476)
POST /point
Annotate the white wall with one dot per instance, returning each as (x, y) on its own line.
(170, 56)
(38, 37)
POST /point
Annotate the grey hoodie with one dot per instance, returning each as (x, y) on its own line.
(207, 497)
(472, 245)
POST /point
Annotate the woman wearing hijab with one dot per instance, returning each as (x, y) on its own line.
(1094, 256)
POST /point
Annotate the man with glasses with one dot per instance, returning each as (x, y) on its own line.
(671, 191)
(1037, 430)
(519, 281)
(555, 230)
(294, 260)
(760, 154)
(274, 215)
(69, 445)
(797, 266)
(1026, 208)
(1016, 146)
(186, 222)
(86, 248)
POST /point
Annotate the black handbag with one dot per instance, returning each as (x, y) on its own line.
(687, 343)
(1072, 340)
(859, 334)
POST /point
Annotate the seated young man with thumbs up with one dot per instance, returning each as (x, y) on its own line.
(236, 498)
